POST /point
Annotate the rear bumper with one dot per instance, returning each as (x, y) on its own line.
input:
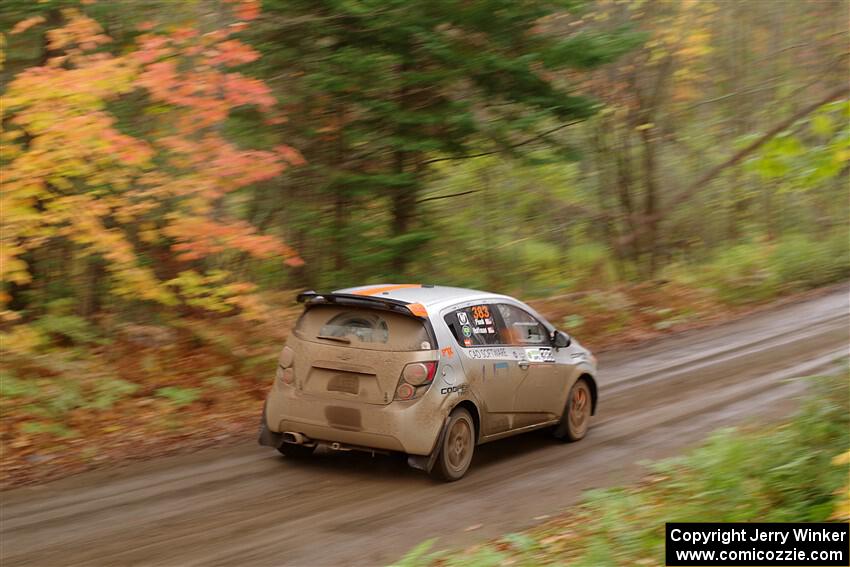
(268, 437)
(409, 427)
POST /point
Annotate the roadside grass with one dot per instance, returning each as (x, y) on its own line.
(793, 472)
(760, 269)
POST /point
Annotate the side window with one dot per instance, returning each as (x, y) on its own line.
(521, 328)
(475, 325)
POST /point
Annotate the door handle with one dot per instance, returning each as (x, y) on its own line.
(523, 364)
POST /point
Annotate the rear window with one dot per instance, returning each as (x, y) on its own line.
(363, 328)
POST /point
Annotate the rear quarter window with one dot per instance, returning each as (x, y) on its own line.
(475, 325)
(359, 327)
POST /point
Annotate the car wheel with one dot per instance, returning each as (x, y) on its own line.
(294, 451)
(576, 418)
(457, 447)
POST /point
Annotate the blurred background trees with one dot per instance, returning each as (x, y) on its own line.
(535, 148)
(192, 156)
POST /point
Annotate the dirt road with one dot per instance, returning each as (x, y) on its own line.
(248, 506)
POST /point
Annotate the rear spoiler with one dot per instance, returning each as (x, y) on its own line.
(313, 298)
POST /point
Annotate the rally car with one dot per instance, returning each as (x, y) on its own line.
(428, 371)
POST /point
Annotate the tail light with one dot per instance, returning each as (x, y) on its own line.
(287, 356)
(415, 379)
(419, 373)
(285, 372)
(405, 391)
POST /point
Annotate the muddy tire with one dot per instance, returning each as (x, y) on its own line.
(576, 418)
(457, 447)
(294, 451)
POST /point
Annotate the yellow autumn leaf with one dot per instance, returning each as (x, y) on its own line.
(842, 459)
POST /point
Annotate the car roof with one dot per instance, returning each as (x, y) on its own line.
(428, 295)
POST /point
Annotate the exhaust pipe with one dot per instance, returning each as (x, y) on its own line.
(294, 438)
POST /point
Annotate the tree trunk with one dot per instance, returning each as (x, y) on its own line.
(650, 207)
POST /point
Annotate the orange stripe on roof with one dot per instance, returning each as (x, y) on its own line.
(382, 289)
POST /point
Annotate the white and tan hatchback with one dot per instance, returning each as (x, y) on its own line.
(428, 371)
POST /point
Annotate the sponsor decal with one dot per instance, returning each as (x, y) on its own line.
(467, 331)
(460, 389)
(533, 355)
(501, 370)
(448, 352)
(467, 342)
(488, 353)
(462, 318)
(480, 312)
(542, 354)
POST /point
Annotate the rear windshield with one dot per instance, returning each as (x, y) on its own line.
(363, 328)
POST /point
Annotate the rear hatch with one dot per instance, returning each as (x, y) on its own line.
(355, 353)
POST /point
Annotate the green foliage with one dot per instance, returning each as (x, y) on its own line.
(55, 429)
(108, 391)
(58, 399)
(804, 262)
(805, 162)
(572, 323)
(756, 271)
(418, 555)
(12, 387)
(403, 83)
(221, 383)
(70, 328)
(179, 396)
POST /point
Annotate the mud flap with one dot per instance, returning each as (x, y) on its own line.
(426, 462)
(268, 437)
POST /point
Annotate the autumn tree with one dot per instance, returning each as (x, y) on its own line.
(141, 217)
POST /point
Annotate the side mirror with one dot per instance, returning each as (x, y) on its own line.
(561, 339)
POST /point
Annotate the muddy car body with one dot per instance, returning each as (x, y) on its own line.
(428, 371)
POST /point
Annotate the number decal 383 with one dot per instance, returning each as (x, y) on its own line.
(481, 312)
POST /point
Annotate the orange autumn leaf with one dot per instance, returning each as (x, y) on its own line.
(26, 24)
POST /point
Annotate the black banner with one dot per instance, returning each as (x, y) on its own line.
(745, 544)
